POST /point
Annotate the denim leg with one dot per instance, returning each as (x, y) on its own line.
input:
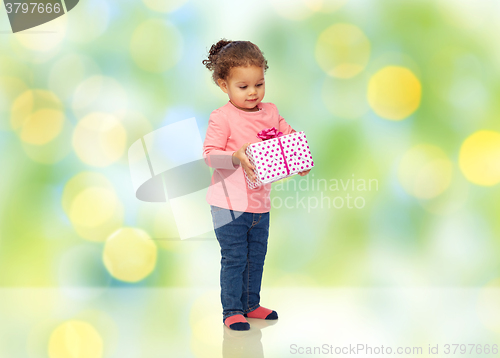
(257, 248)
(232, 237)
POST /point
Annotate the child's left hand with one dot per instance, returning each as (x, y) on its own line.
(304, 173)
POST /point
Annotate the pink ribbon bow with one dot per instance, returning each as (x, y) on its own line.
(269, 133)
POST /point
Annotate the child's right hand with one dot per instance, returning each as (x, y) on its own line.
(245, 162)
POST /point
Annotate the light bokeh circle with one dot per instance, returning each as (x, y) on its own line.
(88, 21)
(52, 151)
(129, 254)
(425, 171)
(38, 117)
(99, 94)
(342, 50)
(29, 102)
(479, 158)
(69, 71)
(99, 139)
(42, 126)
(46, 37)
(394, 93)
(80, 182)
(91, 204)
(156, 45)
(75, 338)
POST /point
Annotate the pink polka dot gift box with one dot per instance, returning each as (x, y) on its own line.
(278, 156)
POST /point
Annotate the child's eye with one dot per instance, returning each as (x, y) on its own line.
(243, 87)
(260, 84)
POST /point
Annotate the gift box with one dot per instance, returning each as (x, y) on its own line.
(278, 156)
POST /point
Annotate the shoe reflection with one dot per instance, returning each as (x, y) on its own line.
(245, 344)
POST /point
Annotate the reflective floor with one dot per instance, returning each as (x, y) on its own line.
(313, 322)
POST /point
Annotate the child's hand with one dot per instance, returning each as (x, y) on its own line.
(304, 173)
(245, 162)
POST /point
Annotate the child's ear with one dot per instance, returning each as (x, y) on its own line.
(222, 84)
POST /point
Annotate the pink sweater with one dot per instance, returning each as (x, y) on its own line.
(228, 129)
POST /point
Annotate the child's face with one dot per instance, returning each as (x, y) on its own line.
(245, 87)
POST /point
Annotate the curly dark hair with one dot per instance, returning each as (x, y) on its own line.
(226, 54)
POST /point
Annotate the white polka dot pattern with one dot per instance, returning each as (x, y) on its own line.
(270, 163)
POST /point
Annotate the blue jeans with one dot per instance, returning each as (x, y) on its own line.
(242, 238)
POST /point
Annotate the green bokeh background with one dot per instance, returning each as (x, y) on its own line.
(148, 66)
(143, 66)
(451, 47)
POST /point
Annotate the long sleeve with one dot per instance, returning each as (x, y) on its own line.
(284, 127)
(214, 146)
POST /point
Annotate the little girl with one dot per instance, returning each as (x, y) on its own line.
(240, 214)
